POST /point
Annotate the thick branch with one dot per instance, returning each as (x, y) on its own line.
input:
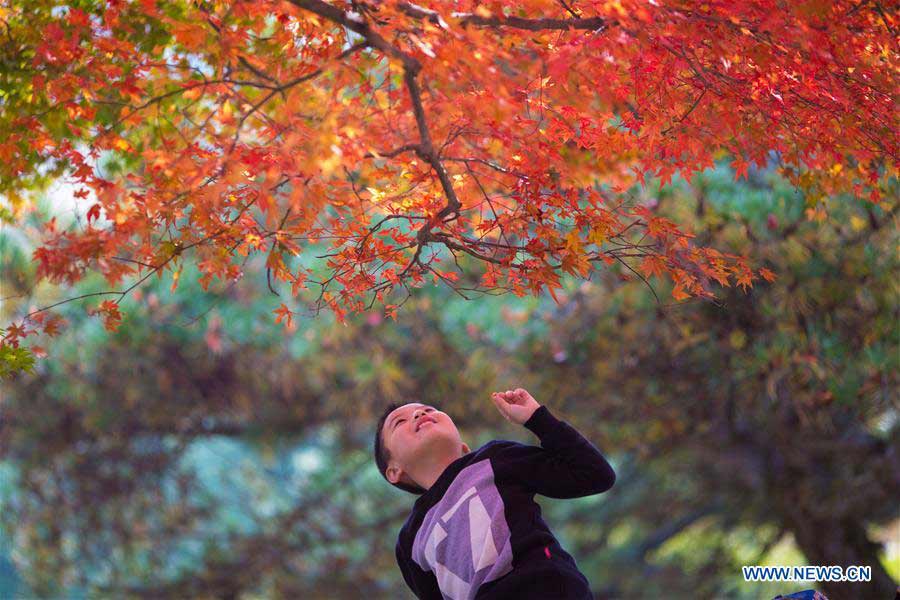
(354, 22)
(453, 204)
(592, 23)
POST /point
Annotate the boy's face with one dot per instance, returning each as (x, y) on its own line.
(415, 432)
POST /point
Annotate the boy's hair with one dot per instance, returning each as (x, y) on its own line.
(383, 455)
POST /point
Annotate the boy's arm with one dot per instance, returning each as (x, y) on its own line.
(421, 582)
(566, 466)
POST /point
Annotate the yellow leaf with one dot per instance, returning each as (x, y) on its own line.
(375, 195)
(573, 241)
(597, 236)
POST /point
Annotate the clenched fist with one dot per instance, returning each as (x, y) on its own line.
(515, 405)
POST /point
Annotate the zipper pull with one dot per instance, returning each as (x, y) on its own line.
(547, 551)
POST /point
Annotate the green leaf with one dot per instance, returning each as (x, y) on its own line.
(15, 360)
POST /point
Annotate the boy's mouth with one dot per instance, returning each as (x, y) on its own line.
(423, 421)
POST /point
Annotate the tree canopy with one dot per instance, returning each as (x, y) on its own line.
(394, 138)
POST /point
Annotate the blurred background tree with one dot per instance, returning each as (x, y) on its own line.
(200, 452)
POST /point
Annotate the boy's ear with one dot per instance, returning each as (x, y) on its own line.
(393, 473)
(465, 448)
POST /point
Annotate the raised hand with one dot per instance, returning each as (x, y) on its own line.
(515, 405)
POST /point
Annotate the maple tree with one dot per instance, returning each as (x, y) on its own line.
(402, 138)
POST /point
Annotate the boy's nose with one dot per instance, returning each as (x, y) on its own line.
(419, 414)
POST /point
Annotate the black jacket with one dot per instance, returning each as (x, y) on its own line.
(477, 533)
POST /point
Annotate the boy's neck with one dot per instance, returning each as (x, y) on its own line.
(428, 472)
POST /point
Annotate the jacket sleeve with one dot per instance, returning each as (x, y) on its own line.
(565, 466)
(422, 583)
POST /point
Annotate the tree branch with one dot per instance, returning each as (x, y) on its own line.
(592, 23)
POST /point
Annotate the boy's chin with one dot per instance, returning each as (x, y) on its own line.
(436, 440)
(427, 430)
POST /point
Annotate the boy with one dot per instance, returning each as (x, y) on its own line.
(475, 532)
